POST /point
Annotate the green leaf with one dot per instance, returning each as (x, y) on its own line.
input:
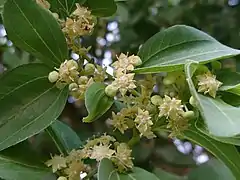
(221, 118)
(212, 170)
(29, 103)
(64, 7)
(17, 163)
(102, 8)
(65, 136)
(37, 32)
(97, 102)
(225, 152)
(106, 171)
(231, 82)
(235, 140)
(163, 175)
(170, 49)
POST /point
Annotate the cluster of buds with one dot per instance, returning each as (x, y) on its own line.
(68, 74)
(124, 79)
(80, 23)
(71, 166)
(65, 74)
(207, 83)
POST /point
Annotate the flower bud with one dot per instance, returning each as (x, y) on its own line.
(53, 76)
(62, 178)
(83, 80)
(156, 100)
(169, 79)
(136, 60)
(202, 69)
(55, 15)
(71, 64)
(188, 115)
(172, 94)
(216, 65)
(111, 90)
(73, 87)
(89, 69)
(192, 101)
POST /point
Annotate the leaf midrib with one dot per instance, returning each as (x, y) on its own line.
(20, 10)
(216, 147)
(18, 87)
(185, 57)
(26, 105)
(174, 45)
(33, 121)
(2, 157)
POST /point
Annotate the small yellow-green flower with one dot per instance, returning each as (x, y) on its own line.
(171, 108)
(81, 23)
(122, 158)
(57, 163)
(100, 152)
(122, 65)
(119, 122)
(125, 82)
(207, 83)
(74, 170)
(143, 124)
(68, 71)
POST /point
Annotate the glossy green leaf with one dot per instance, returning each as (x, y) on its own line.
(171, 48)
(11, 60)
(235, 140)
(227, 153)
(231, 82)
(163, 175)
(17, 163)
(107, 171)
(102, 8)
(29, 103)
(212, 170)
(96, 101)
(64, 7)
(65, 136)
(37, 32)
(221, 118)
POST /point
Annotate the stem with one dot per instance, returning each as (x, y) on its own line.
(135, 138)
(135, 93)
(57, 141)
(91, 174)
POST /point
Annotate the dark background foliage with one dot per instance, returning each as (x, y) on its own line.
(134, 23)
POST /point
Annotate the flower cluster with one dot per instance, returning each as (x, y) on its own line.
(70, 166)
(207, 83)
(124, 79)
(123, 120)
(105, 146)
(80, 23)
(143, 124)
(172, 109)
(68, 74)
